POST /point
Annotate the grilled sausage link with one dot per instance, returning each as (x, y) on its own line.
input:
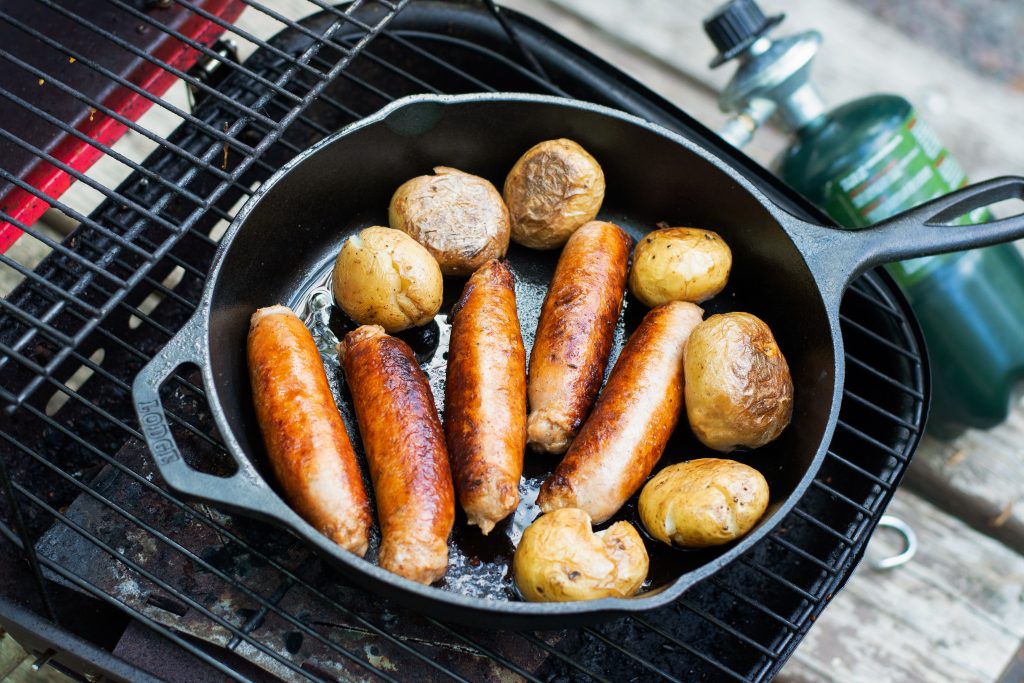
(623, 438)
(575, 332)
(485, 397)
(306, 441)
(405, 450)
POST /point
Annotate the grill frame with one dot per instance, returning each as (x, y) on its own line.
(549, 49)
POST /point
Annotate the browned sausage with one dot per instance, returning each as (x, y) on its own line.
(405, 450)
(485, 397)
(575, 332)
(623, 438)
(306, 440)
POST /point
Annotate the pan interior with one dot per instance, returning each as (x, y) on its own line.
(288, 242)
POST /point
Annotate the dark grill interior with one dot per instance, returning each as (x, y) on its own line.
(183, 590)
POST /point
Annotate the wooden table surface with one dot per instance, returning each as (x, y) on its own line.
(955, 612)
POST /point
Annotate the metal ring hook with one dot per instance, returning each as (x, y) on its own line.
(909, 544)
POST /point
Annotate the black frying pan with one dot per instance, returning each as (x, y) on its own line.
(283, 241)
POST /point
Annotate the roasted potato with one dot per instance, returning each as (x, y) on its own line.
(703, 502)
(554, 188)
(679, 264)
(460, 218)
(560, 558)
(384, 277)
(739, 392)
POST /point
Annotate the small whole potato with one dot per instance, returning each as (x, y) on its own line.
(560, 558)
(460, 218)
(679, 264)
(554, 188)
(703, 502)
(384, 277)
(738, 389)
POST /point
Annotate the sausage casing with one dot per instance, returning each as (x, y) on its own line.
(624, 436)
(308, 447)
(405, 450)
(485, 396)
(575, 333)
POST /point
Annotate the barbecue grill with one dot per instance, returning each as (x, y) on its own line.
(121, 578)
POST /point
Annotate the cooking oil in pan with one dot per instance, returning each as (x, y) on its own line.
(478, 565)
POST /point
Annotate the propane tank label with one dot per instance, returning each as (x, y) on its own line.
(909, 169)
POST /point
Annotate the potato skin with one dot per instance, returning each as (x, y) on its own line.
(384, 277)
(553, 189)
(560, 559)
(460, 218)
(679, 264)
(703, 502)
(739, 392)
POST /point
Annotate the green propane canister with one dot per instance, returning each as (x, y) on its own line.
(861, 163)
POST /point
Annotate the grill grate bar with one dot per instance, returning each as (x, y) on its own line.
(190, 173)
(839, 536)
(137, 615)
(296, 63)
(764, 609)
(771, 574)
(99, 107)
(119, 240)
(106, 149)
(689, 648)
(49, 286)
(61, 249)
(424, 54)
(887, 343)
(225, 533)
(875, 372)
(859, 290)
(640, 660)
(149, 214)
(873, 406)
(164, 66)
(821, 564)
(213, 55)
(23, 538)
(732, 631)
(562, 657)
(872, 440)
(153, 578)
(39, 324)
(123, 82)
(846, 499)
(263, 602)
(328, 42)
(496, 656)
(861, 471)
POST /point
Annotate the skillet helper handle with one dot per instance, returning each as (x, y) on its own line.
(925, 230)
(237, 491)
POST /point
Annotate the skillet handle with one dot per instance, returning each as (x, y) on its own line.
(925, 230)
(243, 491)
(839, 256)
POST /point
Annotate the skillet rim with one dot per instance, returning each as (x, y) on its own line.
(519, 611)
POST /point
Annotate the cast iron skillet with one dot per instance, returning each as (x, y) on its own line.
(790, 273)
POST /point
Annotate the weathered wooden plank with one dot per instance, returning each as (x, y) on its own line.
(954, 613)
(978, 118)
(979, 477)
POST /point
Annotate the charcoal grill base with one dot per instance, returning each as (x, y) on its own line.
(274, 604)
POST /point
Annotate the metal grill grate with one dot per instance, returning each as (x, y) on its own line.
(115, 558)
